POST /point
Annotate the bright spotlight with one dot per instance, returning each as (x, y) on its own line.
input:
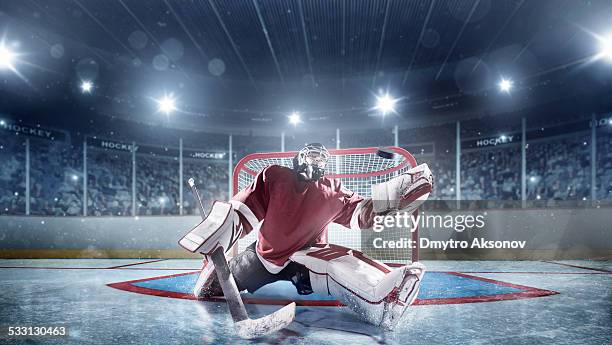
(7, 57)
(75, 177)
(3, 123)
(606, 48)
(162, 200)
(385, 104)
(86, 86)
(294, 118)
(505, 85)
(167, 104)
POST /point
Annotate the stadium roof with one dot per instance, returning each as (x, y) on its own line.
(250, 63)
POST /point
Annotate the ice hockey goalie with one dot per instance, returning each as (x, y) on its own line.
(292, 209)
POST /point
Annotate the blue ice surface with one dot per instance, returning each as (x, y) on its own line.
(434, 285)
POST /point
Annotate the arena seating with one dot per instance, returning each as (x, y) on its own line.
(558, 169)
(12, 175)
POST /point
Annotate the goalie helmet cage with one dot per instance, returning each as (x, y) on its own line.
(358, 169)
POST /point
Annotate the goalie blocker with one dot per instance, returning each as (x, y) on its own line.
(221, 228)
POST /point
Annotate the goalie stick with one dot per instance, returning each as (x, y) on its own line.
(246, 327)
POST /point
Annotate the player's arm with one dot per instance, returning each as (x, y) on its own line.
(356, 210)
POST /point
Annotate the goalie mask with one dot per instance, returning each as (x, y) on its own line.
(311, 161)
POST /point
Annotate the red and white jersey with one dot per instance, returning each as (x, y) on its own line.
(295, 213)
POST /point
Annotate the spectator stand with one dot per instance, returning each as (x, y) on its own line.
(43, 170)
(603, 171)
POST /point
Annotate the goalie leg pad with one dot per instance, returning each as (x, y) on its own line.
(221, 228)
(404, 192)
(207, 284)
(375, 291)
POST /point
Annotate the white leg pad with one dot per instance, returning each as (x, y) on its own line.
(378, 293)
(205, 276)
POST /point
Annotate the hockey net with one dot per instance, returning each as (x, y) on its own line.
(358, 169)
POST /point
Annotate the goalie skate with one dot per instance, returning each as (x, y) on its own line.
(402, 296)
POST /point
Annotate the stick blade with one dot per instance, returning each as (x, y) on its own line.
(249, 328)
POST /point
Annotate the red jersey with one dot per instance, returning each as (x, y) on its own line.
(296, 213)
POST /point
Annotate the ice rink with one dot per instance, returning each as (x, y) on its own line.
(501, 302)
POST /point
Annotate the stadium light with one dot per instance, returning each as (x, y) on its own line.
(2, 122)
(86, 86)
(505, 85)
(75, 177)
(295, 118)
(166, 104)
(606, 48)
(7, 57)
(385, 104)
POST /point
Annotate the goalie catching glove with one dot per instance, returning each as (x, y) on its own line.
(405, 192)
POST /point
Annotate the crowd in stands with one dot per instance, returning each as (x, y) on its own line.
(444, 177)
(157, 185)
(212, 180)
(109, 183)
(604, 167)
(12, 175)
(491, 174)
(56, 178)
(558, 168)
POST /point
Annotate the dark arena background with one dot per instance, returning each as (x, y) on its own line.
(108, 108)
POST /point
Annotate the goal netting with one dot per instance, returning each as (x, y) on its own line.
(358, 169)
